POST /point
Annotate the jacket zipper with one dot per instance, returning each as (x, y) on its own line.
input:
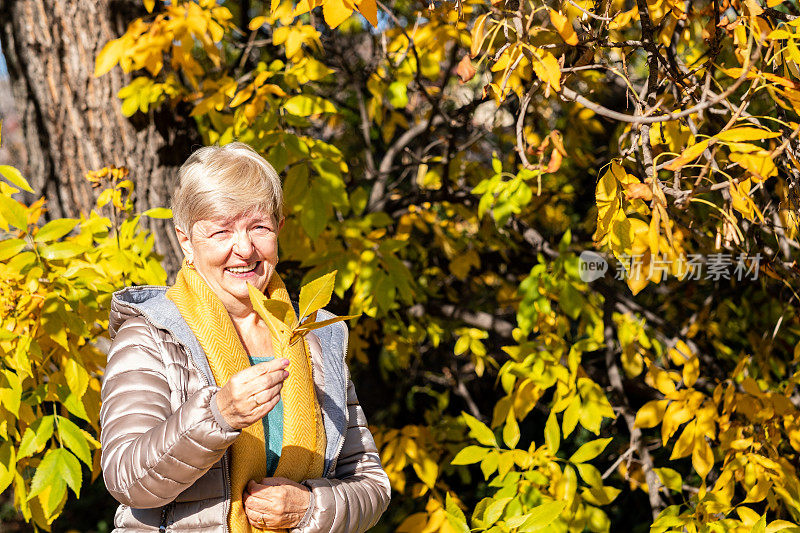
(165, 511)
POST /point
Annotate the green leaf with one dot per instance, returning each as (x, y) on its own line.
(15, 177)
(158, 212)
(58, 466)
(670, 478)
(590, 450)
(760, 526)
(73, 438)
(479, 431)
(511, 430)
(8, 464)
(542, 516)
(10, 391)
(314, 215)
(62, 250)
(398, 94)
(552, 433)
(35, 437)
(455, 516)
(55, 229)
(316, 294)
(495, 510)
(11, 247)
(304, 105)
(469, 455)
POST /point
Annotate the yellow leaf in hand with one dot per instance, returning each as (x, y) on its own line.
(316, 294)
(309, 326)
(275, 325)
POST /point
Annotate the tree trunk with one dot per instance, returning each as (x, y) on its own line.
(72, 122)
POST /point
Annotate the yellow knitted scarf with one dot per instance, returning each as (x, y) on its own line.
(303, 450)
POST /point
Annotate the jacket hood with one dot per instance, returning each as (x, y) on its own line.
(148, 300)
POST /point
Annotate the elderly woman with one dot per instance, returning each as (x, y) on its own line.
(207, 425)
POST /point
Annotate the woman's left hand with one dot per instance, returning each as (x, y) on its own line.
(275, 503)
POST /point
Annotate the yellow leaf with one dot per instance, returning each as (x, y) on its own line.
(661, 380)
(680, 353)
(335, 12)
(650, 414)
(676, 414)
(369, 8)
(685, 443)
(691, 371)
(109, 56)
(478, 35)
(702, 456)
(589, 450)
(564, 27)
(670, 479)
(427, 471)
(760, 164)
(309, 326)
(547, 69)
(654, 233)
(15, 177)
(241, 96)
(256, 23)
(304, 105)
(275, 325)
(552, 434)
(511, 432)
(688, 155)
(746, 134)
(149, 5)
(316, 294)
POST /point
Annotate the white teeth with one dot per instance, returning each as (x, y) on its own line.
(243, 269)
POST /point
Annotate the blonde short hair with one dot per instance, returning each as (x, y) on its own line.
(223, 182)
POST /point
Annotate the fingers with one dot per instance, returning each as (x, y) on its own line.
(267, 395)
(252, 393)
(267, 367)
(276, 502)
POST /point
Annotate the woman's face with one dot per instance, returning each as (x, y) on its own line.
(230, 253)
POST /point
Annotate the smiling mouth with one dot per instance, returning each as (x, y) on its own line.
(243, 269)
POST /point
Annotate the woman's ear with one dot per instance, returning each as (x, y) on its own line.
(280, 224)
(186, 244)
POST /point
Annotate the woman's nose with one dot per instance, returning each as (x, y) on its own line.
(243, 244)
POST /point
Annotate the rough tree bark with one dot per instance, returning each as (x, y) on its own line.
(72, 122)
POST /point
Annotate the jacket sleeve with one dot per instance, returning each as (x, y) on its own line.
(359, 492)
(151, 454)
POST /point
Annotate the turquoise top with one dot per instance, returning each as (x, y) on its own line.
(273, 427)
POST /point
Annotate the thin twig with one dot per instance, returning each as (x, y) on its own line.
(569, 94)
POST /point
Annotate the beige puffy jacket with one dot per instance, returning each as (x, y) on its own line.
(164, 443)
